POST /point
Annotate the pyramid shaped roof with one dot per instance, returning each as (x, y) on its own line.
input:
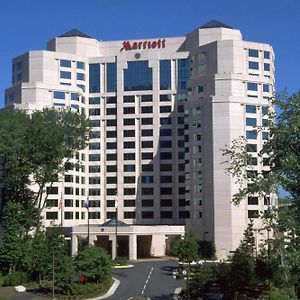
(215, 24)
(75, 32)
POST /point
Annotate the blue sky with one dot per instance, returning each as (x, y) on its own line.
(29, 24)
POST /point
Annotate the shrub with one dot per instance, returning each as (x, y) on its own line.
(15, 278)
(284, 294)
(120, 261)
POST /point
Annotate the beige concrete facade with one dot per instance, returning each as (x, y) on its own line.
(162, 157)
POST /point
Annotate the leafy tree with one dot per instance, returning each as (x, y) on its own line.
(247, 245)
(94, 263)
(207, 249)
(187, 248)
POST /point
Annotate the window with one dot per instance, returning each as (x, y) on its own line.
(111, 122)
(128, 121)
(165, 144)
(111, 168)
(252, 161)
(253, 53)
(184, 214)
(111, 145)
(165, 98)
(111, 192)
(111, 77)
(166, 191)
(80, 65)
(137, 76)
(265, 122)
(165, 74)
(52, 190)
(129, 215)
(251, 134)
(266, 67)
(94, 215)
(165, 121)
(166, 214)
(147, 214)
(147, 179)
(147, 155)
(111, 156)
(147, 132)
(111, 111)
(146, 98)
(95, 123)
(147, 191)
(94, 192)
(183, 74)
(129, 156)
(147, 144)
(251, 86)
(166, 179)
(129, 133)
(94, 169)
(129, 179)
(165, 109)
(94, 78)
(65, 63)
(94, 146)
(253, 65)
(94, 180)
(129, 110)
(110, 180)
(51, 215)
(165, 202)
(166, 155)
(94, 157)
(94, 111)
(59, 95)
(129, 191)
(110, 215)
(251, 121)
(147, 121)
(74, 96)
(266, 88)
(147, 203)
(165, 167)
(94, 100)
(68, 190)
(52, 203)
(251, 148)
(165, 132)
(265, 136)
(147, 109)
(111, 100)
(111, 134)
(252, 200)
(80, 76)
(129, 168)
(147, 168)
(266, 55)
(251, 109)
(252, 214)
(65, 74)
(129, 99)
(129, 145)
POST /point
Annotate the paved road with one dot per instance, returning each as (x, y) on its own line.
(152, 278)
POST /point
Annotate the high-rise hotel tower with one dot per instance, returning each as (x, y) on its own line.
(161, 112)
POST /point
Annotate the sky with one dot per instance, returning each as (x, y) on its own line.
(29, 24)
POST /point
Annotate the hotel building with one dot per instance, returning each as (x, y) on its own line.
(161, 112)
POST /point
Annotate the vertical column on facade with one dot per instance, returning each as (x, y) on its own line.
(133, 247)
(113, 250)
(74, 244)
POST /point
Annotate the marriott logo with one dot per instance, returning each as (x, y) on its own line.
(143, 45)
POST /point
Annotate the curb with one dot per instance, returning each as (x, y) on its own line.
(110, 292)
(123, 267)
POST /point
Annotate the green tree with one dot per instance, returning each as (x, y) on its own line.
(186, 249)
(94, 263)
(207, 249)
(247, 244)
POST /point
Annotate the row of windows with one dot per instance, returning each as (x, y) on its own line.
(252, 134)
(252, 86)
(255, 53)
(253, 65)
(252, 109)
(67, 64)
(110, 215)
(253, 122)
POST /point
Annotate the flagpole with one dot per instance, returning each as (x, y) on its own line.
(116, 225)
(88, 211)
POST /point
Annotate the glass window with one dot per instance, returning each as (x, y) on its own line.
(94, 78)
(94, 169)
(266, 88)
(147, 109)
(253, 65)
(253, 53)
(111, 168)
(266, 67)
(251, 109)
(129, 156)
(129, 191)
(251, 148)
(147, 155)
(129, 179)
(111, 122)
(165, 144)
(165, 132)
(129, 145)
(264, 110)
(165, 167)
(129, 168)
(129, 121)
(147, 144)
(253, 214)
(165, 109)
(74, 96)
(129, 133)
(165, 121)
(111, 156)
(94, 100)
(111, 100)
(166, 155)
(183, 74)
(165, 98)
(129, 99)
(59, 95)
(251, 134)
(65, 63)
(51, 215)
(65, 74)
(147, 167)
(251, 121)
(94, 134)
(166, 214)
(111, 77)
(265, 122)
(147, 215)
(251, 86)
(165, 74)
(266, 54)
(147, 132)
(111, 145)
(94, 180)
(94, 146)
(147, 121)
(147, 202)
(129, 214)
(111, 111)
(111, 134)
(19, 65)
(80, 76)
(94, 111)
(146, 98)
(137, 76)
(147, 179)
(129, 110)
(95, 123)
(265, 136)
(80, 65)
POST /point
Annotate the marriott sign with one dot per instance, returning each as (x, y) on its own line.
(143, 45)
